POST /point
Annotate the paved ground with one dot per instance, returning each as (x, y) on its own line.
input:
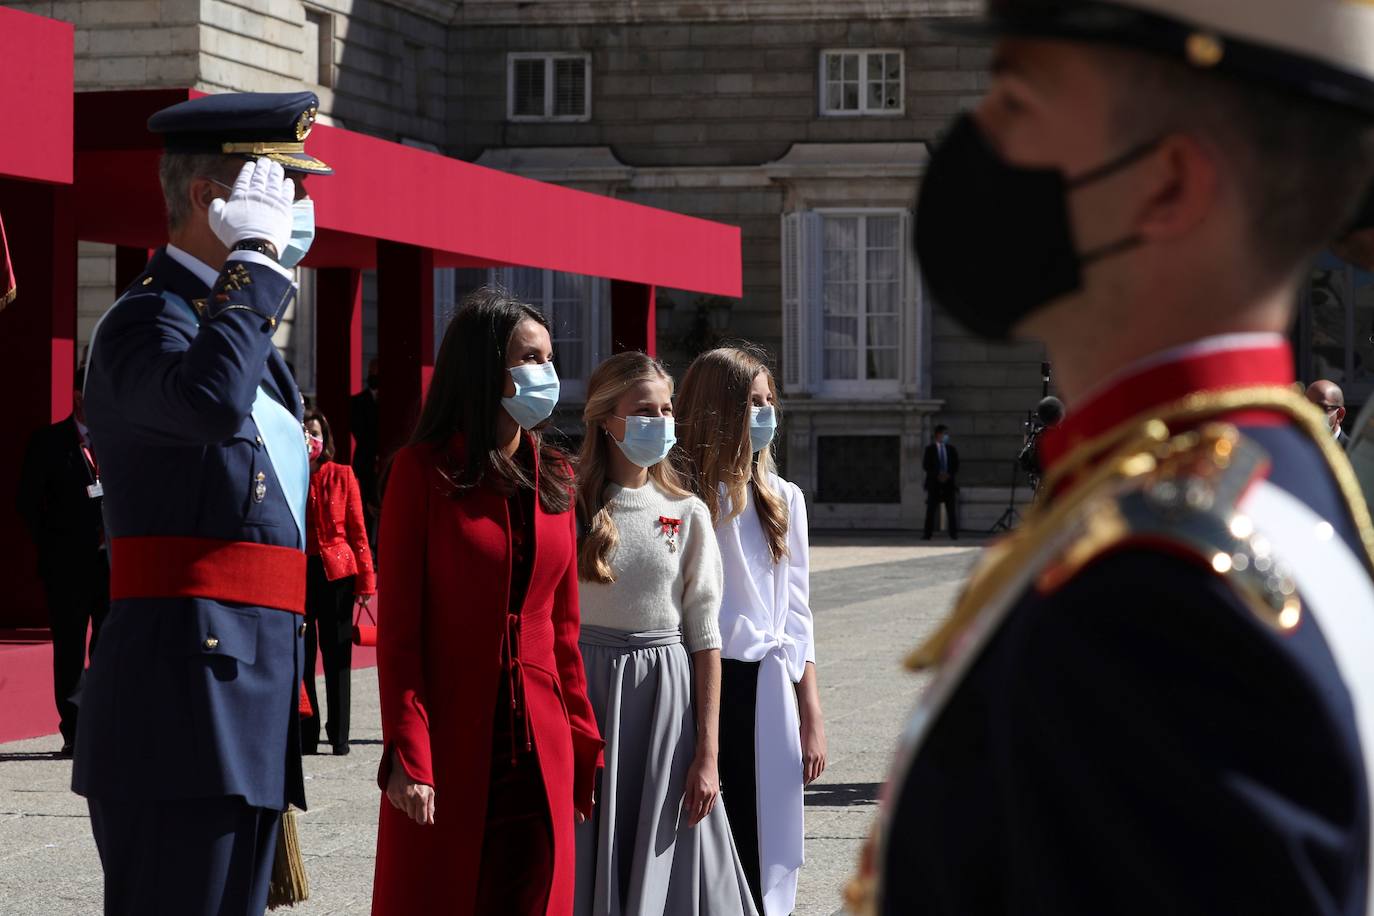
(873, 597)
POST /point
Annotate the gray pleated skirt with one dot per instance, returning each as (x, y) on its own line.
(637, 855)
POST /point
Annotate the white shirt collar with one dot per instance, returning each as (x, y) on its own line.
(204, 272)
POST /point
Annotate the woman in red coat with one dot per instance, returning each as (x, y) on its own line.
(339, 569)
(491, 746)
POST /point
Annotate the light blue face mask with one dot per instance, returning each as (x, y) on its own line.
(763, 422)
(536, 394)
(648, 440)
(302, 233)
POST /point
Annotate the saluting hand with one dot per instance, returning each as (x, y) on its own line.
(259, 206)
(413, 798)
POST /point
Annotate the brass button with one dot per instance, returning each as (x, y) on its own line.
(259, 438)
(211, 643)
(147, 281)
(301, 631)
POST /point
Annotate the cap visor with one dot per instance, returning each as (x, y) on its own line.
(301, 162)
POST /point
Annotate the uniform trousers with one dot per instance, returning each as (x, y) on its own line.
(942, 493)
(77, 599)
(739, 691)
(329, 631)
(192, 857)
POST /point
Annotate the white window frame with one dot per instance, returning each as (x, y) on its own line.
(863, 111)
(549, 57)
(596, 326)
(803, 289)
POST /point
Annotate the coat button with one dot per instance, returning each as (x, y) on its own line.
(301, 630)
(211, 643)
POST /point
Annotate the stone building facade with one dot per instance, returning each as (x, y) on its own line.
(806, 124)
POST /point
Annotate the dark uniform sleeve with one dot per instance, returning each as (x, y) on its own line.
(180, 389)
(33, 484)
(1166, 751)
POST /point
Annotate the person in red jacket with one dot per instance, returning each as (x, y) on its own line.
(338, 571)
(490, 744)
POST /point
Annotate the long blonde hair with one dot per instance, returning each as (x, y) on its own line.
(713, 447)
(608, 384)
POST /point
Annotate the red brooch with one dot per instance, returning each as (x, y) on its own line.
(668, 527)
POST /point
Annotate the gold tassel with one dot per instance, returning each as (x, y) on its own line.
(290, 884)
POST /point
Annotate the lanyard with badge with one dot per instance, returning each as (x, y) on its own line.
(95, 489)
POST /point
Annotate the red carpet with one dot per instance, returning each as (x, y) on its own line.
(26, 701)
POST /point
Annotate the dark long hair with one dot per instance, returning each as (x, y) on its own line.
(465, 398)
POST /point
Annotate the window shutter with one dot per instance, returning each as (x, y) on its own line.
(793, 319)
(812, 291)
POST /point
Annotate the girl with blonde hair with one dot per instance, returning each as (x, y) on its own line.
(772, 740)
(650, 580)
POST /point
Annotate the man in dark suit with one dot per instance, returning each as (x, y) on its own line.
(189, 748)
(363, 425)
(59, 500)
(941, 464)
(1328, 396)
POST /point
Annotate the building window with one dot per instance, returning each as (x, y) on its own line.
(572, 303)
(849, 303)
(549, 87)
(318, 47)
(862, 82)
(858, 469)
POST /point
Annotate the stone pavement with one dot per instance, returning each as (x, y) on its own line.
(873, 596)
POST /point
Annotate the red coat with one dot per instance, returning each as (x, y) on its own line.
(336, 526)
(441, 626)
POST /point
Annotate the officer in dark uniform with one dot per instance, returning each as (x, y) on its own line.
(1157, 695)
(188, 746)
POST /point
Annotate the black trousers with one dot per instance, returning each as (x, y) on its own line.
(198, 857)
(328, 631)
(937, 493)
(739, 690)
(77, 599)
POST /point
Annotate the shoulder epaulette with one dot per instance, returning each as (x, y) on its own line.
(1184, 498)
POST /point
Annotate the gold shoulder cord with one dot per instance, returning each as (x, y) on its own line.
(1129, 448)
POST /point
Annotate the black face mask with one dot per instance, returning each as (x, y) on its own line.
(372, 382)
(995, 240)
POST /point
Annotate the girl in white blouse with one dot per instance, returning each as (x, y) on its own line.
(772, 739)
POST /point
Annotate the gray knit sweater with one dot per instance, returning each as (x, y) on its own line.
(662, 580)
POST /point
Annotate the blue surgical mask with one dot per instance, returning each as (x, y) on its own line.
(302, 233)
(763, 422)
(536, 394)
(648, 440)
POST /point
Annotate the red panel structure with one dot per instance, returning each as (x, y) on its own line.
(338, 350)
(36, 94)
(405, 339)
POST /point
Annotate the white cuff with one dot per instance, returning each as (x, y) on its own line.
(257, 257)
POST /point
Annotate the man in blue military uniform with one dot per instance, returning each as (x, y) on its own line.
(188, 747)
(1157, 696)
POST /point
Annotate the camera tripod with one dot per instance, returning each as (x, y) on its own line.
(1010, 518)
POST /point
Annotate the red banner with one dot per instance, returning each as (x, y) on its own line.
(7, 288)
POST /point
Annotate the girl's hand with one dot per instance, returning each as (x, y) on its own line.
(415, 799)
(703, 788)
(364, 600)
(813, 748)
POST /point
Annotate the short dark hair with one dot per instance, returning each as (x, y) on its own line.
(315, 413)
(176, 171)
(942, 428)
(1301, 165)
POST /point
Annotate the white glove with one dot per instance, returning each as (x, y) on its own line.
(259, 206)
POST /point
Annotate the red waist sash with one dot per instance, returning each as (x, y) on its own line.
(180, 567)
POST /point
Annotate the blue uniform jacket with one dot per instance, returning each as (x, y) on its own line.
(1139, 742)
(168, 712)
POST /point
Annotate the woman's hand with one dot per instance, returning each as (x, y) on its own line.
(415, 799)
(813, 747)
(703, 788)
(364, 600)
